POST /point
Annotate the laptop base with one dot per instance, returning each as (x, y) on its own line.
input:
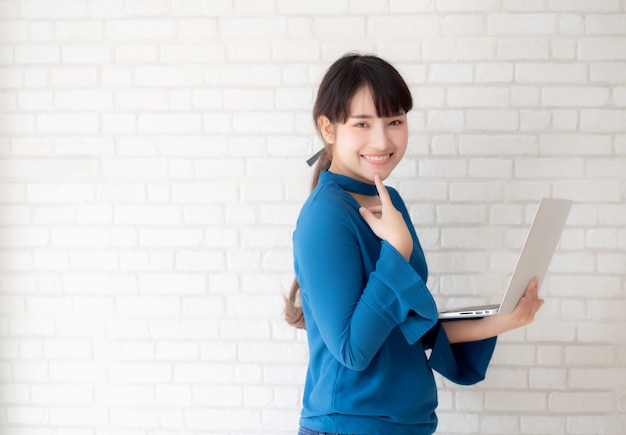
(470, 312)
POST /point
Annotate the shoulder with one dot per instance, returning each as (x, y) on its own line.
(393, 193)
(395, 197)
(327, 197)
(328, 208)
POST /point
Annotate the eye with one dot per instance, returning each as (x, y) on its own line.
(360, 124)
(395, 122)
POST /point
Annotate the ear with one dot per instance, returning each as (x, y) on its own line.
(327, 129)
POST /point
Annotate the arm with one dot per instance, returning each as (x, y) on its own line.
(463, 331)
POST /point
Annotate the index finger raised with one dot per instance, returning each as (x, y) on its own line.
(382, 190)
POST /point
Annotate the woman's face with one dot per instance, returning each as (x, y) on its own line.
(365, 144)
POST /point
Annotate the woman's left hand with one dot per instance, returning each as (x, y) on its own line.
(528, 305)
(524, 313)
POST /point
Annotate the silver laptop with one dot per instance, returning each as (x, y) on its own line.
(536, 255)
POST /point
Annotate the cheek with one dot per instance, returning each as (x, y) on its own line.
(348, 142)
(401, 140)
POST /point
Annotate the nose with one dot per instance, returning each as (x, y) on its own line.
(378, 138)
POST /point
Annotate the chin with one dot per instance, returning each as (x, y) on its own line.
(384, 171)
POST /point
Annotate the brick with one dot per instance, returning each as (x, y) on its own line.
(575, 97)
(83, 100)
(168, 76)
(463, 25)
(334, 27)
(119, 123)
(403, 26)
(547, 167)
(522, 24)
(500, 120)
(87, 30)
(466, 49)
(200, 419)
(37, 54)
(497, 144)
(576, 144)
(62, 9)
(263, 122)
(601, 49)
(178, 283)
(152, 306)
(523, 49)
(246, 28)
(534, 121)
(467, 423)
(17, 124)
(478, 97)
(596, 378)
(84, 54)
(124, 395)
(571, 24)
(554, 379)
(134, 168)
(134, 30)
(321, 7)
(23, 415)
(99, 284)
(565, 50)
(447, 120)
(171, 123)
(551, 73)
(594, 191)
(579, 402)
(607, 424)
(68, 123)
(543, 424)
(611, 72)
(494, 72)
(516, 401)
(30, 327)
(584, 5)
(24, 237)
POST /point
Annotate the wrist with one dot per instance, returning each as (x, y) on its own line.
(405, 249)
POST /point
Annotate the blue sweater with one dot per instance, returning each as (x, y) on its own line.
(370, 318)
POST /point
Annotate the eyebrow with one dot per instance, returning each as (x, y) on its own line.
(365, 116)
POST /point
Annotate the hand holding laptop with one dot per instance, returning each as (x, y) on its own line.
(528, 305)
(524, 313)
(534, 259)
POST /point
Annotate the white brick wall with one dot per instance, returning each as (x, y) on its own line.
(152, 167)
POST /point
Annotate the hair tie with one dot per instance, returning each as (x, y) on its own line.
(315, 157)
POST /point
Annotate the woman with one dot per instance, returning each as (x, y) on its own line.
(361, 273)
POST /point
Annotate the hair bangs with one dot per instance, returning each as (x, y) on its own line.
(389, 91)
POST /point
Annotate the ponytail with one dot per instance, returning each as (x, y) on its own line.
(293, 303)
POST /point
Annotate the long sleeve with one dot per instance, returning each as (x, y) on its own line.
(462, 363)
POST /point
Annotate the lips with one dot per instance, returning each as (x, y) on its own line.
(377, 159)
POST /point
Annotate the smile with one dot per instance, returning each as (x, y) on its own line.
(377, 158)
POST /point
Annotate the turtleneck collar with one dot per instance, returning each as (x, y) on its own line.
(349, 184)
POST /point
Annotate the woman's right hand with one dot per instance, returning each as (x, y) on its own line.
(387, 222)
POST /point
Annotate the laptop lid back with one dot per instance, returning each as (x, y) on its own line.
(541, 241)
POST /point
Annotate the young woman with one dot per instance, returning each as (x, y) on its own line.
(361, 273)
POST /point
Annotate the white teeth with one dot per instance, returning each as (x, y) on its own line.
(377, 158)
